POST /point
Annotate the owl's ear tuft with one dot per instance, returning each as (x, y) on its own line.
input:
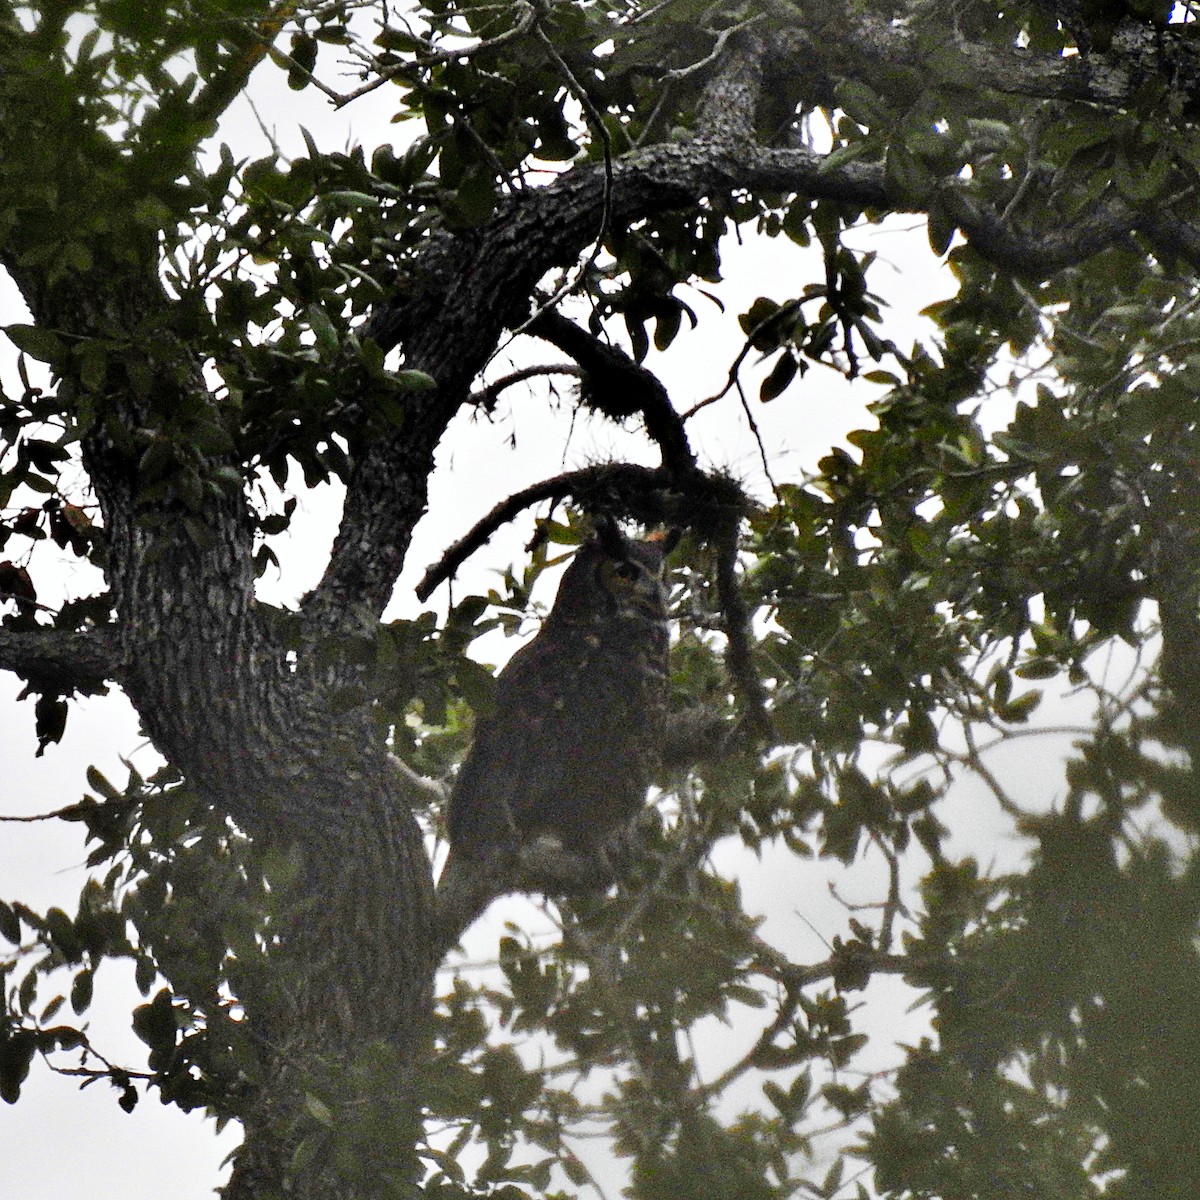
(611, 539)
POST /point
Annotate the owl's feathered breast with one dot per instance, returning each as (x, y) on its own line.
(572, 743)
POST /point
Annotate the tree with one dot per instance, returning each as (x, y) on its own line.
(222, 334)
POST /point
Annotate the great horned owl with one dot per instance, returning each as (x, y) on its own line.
(575, 735)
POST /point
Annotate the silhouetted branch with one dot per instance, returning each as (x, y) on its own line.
(763, 1045)
(618, 387)
(612, 480)
(430, 55)
(486, 397)
(60, 660)
(649, 495)
(766, 325)
(468, 886)
(1004, 243)
(598, 127)
(68, 812)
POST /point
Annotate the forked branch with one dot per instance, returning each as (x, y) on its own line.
(619, 387)
(650, 495)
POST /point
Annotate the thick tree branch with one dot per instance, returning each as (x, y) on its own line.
(491, 273)
(664, 177)
(859, 44)
(998, 240)
(621, 486)
(60, 660)
(650, 495)
(727, 108)
(739, 659)
(618, 387)
(651, 183)
(466, 889)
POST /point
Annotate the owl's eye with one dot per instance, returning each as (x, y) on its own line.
(621, 576)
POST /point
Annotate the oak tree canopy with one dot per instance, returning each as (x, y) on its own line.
(209, 337)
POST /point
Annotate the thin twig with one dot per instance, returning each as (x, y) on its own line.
(894, 906)
(717, 50)
(431, 56)
(739, 661)
(758, 439)
(59, 814)
(647, 14)
(601, 960)
(764, 326)
(486, 397)
(785, 1015)
(974, 761)
(597, 122)
(26, 602)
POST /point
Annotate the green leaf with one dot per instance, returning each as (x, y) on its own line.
(475, 198)
(907, 174)
(16, 1055)
(10, 925)
(390, 408)
(758, 314)
(43, 344)
(1038, 668)
(144, 974)
(863, 104)
(416, 381)
(50, 720)
(304, 1155)
(941, 228)
(324, 331)
(303, 51)
(99, 784)
(349, 199)
(155, 1024)
(1019, 710)
(781, 375)
(81, 991)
